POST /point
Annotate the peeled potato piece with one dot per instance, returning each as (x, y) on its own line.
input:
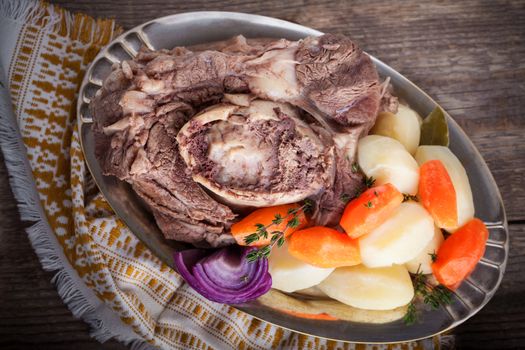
(290, 274)
(423, 262)
(388, 161)
(280, 301)
(374, 289)
(402, 110)
(399, 239)
(404, 126)
(458, 175)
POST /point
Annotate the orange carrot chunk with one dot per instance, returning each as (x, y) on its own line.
(459, 254)
(324, 247)
(370, 210)
(322, 316)
(437, 194)
(265, 216)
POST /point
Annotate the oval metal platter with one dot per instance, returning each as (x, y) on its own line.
(202, 27)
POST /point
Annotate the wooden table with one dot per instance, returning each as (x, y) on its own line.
(468, 55)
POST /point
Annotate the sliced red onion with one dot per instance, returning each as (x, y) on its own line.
(224, 275)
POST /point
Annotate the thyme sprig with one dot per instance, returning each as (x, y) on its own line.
(369, 181)
(409, 197)
(411, 315)
(435, 296)
(345, 198)
(276, 236)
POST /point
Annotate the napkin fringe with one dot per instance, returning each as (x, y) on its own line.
(50, 17)
(40, 233)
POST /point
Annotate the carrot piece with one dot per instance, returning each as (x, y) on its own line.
(459, 254)
(264, 216)
(322, 316)
(370, 210)
(437, 194)
(324, 247)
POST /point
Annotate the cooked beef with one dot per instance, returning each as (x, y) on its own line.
(146, 101)
(260, 155)
(143, 151)
(389, 102)
(339, 79)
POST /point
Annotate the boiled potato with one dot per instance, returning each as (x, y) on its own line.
(458, 175)
(403, 126)
(290, 274)
(276, 300)
(403, 110)
(382, 288)
(387, 160)
(423, 262)
(399, 239)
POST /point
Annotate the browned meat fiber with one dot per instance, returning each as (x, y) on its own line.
(205, 133)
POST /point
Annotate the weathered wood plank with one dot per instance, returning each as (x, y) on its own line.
(501, 323)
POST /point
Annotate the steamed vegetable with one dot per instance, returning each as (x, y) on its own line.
(324, 247)
(437, 194)
(278, 300)
(458, 175)
(434, 129)
(403, 110)
(423, 262)
(404, 126)
(271, 219)
(399, 239)
(387, 160)
(224, 275)
(370, 209)
(374, 289)
(322, 316)
(458, 255)
(290, 274)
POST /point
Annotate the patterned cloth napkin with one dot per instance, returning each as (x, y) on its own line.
(104, 273)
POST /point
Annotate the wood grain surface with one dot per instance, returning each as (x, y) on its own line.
(468, 55)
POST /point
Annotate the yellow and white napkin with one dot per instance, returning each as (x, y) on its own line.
(104, 273)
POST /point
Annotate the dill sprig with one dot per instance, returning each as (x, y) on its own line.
(276, 236)
(434, 296)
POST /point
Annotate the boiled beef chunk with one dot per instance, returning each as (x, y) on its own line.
(201, 132)
(339, 79)
(144, 152)
(256, 156)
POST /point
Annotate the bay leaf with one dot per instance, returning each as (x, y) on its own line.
(434, 130)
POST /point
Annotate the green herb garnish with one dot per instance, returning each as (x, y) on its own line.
(411, 315)
(434, 130)
(435, 296)
(370, 181)
(345, 198)
(409, 197)
(276, 236)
